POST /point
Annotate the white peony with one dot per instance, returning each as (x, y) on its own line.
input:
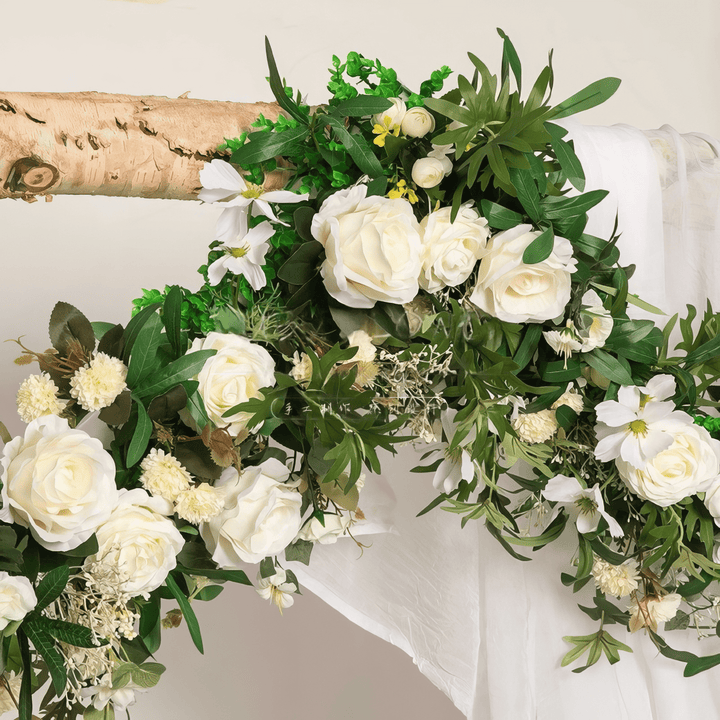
(58, 482)
(140, 541)
(617, 580)
(236, 373)
(428, 172)
(38, 396)
(450, 250)
(691, 464)
(163, 475)
(653, 610)
(535, 427)
(335, 526)
(17, 598)
(417, 122)
(200, 503)
(261, 515)
(393, 116)
(512, 291)
(372, 248)
(97, 384)
(277, 588)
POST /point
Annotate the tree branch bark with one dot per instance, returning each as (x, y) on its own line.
(119, 145)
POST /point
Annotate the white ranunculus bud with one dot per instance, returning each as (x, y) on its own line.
(428, 172)
(417, 122)
(450, 250)
(372, 248)
(200, 503)
(96, 385)
(58, 482)
(393, 116)
(261, 515)
(17, 598)
(236, 373)
(163, 475)
(535, 427)
(140, 541)
(512, 291)
(38, 396)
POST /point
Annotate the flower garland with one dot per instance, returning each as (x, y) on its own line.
(424, 275)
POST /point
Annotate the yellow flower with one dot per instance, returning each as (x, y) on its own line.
(401, 190)
(382, 131)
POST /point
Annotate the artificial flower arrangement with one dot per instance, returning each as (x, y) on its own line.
(391, 267)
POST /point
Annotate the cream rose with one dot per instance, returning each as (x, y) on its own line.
(428, 172)
(393, 116)
(512, 291)
(450, 250)
(261, 515)
(690, 465)
(236, 373)
(17, 598)
(417, 122)
(335, 526)
(58, 482)
(140, 541)
(372, 248)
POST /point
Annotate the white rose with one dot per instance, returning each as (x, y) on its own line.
(595, 323)
(236, 373)
(261, 515)
(393, 116)
(417, 122)
(140, 541)
(712, 502)
(512, 291)
(428, 172)
(690, 465)
(17, 598)
(653, 610)
(372, 248)
(335, 526)
(58, 482)
(450, 251)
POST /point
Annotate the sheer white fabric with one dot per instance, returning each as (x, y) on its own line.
(483, 627)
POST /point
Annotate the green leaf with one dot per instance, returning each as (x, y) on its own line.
(50, 587)
(608, 366)
(449, 109)
(362, 105)
(45, 646)
(184, 368)
(236, 576)
(527, 192)
(278, 89)
(594, 94)
(150, 623)
(141, 436)
(565, 416)
(171, 318)
(302, 265)
(264, 145)
(565, 153)
(540, 248)
(134, 327)
(66, 632)
(356, 145)
(187, 611)
(299, 551)
(107, 713)
(146, 675)
(267, 568)
(144, 350)
(500, 217)
(510, 57)
(25, 701)
(68, 324)
(528, 346)
(563, 208)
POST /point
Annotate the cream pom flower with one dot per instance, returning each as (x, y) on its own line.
(302, 368)
(617, 580)
(163, 475)
(571, 398)
(277, 588)
(535, 427)
(652, 610)
(200, 503)
(96, 385)
(38, 396)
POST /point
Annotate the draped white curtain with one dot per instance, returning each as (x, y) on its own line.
(483, 627)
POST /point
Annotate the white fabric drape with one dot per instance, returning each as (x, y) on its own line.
(483, 627)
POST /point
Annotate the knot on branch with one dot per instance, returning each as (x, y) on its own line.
(31, 175)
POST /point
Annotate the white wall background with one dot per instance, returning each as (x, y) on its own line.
(98, 252)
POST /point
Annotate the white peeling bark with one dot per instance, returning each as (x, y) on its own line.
(119, 145)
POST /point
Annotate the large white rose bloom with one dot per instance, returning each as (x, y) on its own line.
(58, 482)
(261, 515)
(236, 373)
(17, 598)
(450, 250)
(512, 291)
(691, 464)
(372, 248)
(140, 541)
